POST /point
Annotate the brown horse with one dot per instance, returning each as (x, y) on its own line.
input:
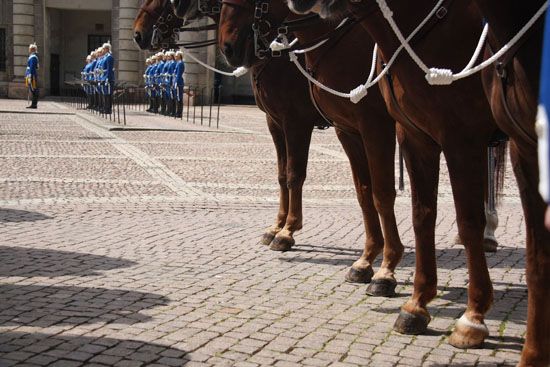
(155, 25)
(365, 130)
(290, 125)
(455, 120)
(512, 89)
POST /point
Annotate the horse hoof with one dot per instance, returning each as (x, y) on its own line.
(468, 335)
(411, 324)
(490, 245)
(359, 275)
(382, 288)
(282, 244)
(266, 239)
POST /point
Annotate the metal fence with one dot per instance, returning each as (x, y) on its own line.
(201, 105)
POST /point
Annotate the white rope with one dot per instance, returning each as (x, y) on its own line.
(240, 71)
(358, 93)
(443, 76)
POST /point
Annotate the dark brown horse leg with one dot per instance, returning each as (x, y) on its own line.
(467, 170)
(536, 349)
(422, 159)
(382, 169)
(298, 138)
(278, 137)
(361, 270)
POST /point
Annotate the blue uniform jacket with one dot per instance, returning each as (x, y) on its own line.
(32, 65)
(108, 67)
(91, 70)
(180, 69)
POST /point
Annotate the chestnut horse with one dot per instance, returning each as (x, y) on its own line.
(156, 26)
(455, 120)
(365, 130)
(290, 125)
(512, 89)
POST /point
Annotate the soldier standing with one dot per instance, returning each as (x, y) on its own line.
(170, 83)
(31, 74)
(179, 83)
(108, 78)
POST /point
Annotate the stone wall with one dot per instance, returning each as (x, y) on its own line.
(23, 35)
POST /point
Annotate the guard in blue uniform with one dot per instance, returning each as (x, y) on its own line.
(159, 71)
(31, 74)
(179, 83)
(108, 77)
(91, 80)
(543, 128)
(171, 93)
(84, 79)
(147, 83)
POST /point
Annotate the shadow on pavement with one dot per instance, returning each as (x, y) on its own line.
(457, 297)
(19, 216)
(44, 306)
(450, 258)
(32, 262)
(17, 348)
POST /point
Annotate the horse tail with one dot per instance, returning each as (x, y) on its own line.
(497, 170)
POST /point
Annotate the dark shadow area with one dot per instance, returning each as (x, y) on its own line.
(32, 262)
(17, 348)
(458, 297)
(450, 258)
(44, 306)
(19, 216)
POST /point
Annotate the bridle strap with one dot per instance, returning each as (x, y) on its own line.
(240, 3)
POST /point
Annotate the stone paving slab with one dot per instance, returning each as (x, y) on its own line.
(116, 251)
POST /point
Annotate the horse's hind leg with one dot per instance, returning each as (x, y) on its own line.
(536, 350)
(467, 170)
(361, 270)
(278, 137)
(380, 147)
(297, 140)
(422, 159)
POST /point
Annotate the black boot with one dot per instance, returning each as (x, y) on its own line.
(179, 109)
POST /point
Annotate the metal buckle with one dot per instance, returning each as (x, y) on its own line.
(441, 12)
(282, 30)
(265, 7)
(276, 53)
(257, 12)
(501, 70)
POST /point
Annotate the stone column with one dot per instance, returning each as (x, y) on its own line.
(23, 35)
(196, 75)
(128, 68)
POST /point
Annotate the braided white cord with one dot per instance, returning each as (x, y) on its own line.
(506, 47)
(442, 76)
(240, 71)
(358, 93)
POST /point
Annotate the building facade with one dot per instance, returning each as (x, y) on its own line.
(67, 30)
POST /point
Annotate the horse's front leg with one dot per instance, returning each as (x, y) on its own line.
(297, 140)
(467, 170)
(536, 350)
(422, 159)
(361, 271)
(277, 134)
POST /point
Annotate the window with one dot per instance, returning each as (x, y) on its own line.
(95, 41)
(3, 49)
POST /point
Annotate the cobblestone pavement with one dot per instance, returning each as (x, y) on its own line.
(139, 247)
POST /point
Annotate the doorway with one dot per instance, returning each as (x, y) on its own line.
(55, 68)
